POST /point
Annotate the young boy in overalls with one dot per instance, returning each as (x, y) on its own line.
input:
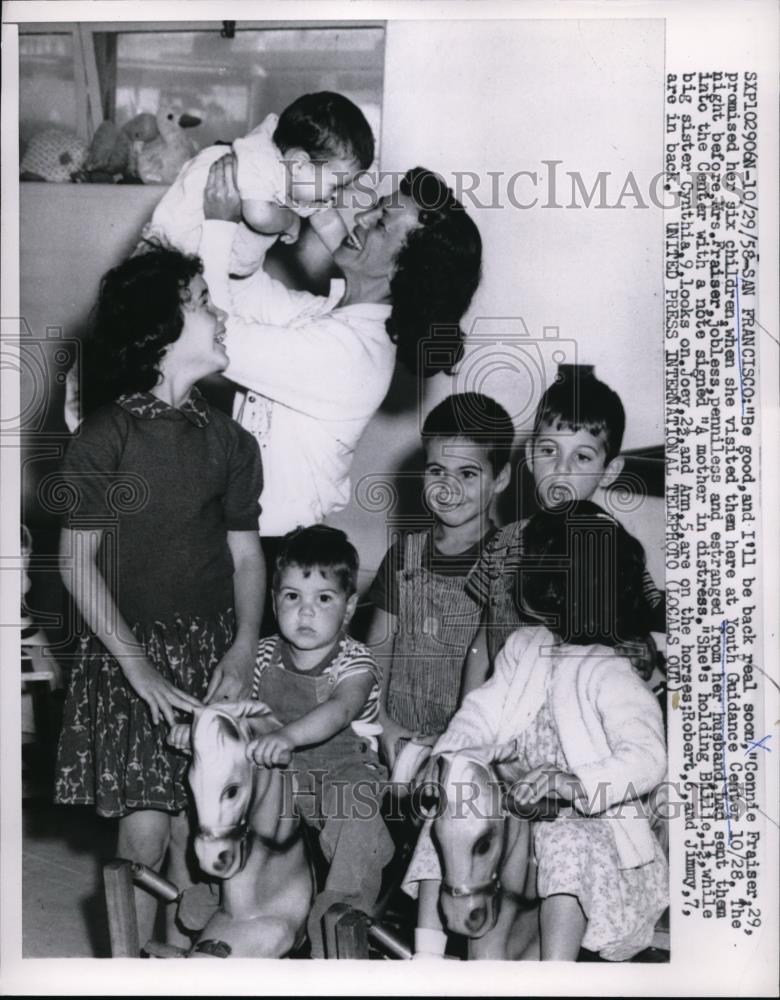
(323, 686)
(424, 621)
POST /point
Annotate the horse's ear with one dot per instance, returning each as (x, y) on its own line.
(228, 727)
(410, 763)
(427, 793)
(248, 709)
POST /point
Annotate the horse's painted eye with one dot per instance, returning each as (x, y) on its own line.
(170, 118)
(482, 846)
(230, 792)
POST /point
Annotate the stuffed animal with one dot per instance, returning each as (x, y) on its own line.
(53, 155)
(161, 160)
(114, 151)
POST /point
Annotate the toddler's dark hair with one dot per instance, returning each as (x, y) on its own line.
(137, 315)
(327, 126)
(476, 417)
(584, 573)
(579, 400)
(323, 548)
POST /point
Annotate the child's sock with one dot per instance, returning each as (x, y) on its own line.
(429, 943)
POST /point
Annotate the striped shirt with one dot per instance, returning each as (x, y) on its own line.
(348, 658)
(503, 555)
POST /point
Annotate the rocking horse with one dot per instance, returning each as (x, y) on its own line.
(483, 838)
(248, 836)
(484, 846)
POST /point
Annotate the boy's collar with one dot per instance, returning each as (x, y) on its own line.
(286, 658)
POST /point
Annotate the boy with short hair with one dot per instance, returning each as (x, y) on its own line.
(573, 450)
(324, 687)
(424, 621)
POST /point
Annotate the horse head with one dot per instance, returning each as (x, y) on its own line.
(468, 830)
(224, 783)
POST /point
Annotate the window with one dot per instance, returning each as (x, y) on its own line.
(230, 83)
(47, 85)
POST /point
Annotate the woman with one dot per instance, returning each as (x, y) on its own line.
(315, 369)
(160, 554)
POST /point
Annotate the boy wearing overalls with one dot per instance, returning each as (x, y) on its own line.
(424, 620)
(324, 688)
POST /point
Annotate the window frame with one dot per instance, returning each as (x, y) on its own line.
(89, 113)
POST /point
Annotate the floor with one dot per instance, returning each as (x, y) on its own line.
(63, 851)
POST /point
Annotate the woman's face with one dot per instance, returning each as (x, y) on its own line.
(199, 349)
(380, 232)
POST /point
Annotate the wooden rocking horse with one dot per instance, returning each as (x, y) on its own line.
(484, 846)
(247, 835)
(483, 838)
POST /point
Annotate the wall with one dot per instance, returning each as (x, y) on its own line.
(504, 96)
(461, 96)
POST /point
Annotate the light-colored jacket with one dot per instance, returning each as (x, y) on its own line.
(609, 725)
(313, 374)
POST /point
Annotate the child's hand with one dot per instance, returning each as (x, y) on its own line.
(388, 741)
(270, 750)
(180, 737)
(292, 232)
(330, 228)
(546, 782)
(642, 655)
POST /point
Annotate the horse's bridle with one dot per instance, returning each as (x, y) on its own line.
(460, 889)
(237, 831)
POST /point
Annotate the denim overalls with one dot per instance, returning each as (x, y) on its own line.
(352, 833)
(437, 621)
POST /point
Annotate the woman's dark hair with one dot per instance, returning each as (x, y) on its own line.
(477, 418)
(319, 547)
(137, 315)
(437, 272)
(583, 572)
(326, 125)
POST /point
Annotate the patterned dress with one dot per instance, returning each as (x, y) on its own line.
(164, 486)
(576, 855)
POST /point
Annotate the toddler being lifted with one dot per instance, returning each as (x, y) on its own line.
(289, 167)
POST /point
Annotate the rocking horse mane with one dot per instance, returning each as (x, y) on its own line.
(217, 728)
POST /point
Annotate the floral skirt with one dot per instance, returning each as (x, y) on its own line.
(577, 856)
(109, 753)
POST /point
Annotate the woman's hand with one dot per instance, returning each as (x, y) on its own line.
(221, 199)
(160, 695)
(269, 750)
(232, 677)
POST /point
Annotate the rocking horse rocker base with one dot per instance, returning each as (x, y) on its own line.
(121, 877)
